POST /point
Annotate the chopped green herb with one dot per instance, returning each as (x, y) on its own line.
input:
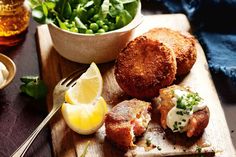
(85, 150)
(148, 142)
(186, 102)
(199, 149)
(187, 112)
(175, 126)
(180, 113)
(159, 148)
(180, 103)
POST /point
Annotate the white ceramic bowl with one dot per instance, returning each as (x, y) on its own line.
(98, 48)
(11, 67)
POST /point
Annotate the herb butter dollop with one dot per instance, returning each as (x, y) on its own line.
(3, 73)
(186, 103)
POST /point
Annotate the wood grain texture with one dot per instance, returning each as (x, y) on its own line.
(216, 137)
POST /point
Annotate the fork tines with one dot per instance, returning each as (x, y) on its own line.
(74, 76)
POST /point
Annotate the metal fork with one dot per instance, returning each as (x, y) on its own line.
(58, 99)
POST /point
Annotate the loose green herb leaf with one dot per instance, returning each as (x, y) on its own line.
(27, 79)
(148, 142)
(85, 150)
(33, 87)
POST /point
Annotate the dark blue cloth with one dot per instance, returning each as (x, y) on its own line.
(214, 23)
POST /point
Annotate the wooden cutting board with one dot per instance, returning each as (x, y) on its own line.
(67, 143)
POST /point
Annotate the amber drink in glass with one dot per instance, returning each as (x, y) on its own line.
(14, 21)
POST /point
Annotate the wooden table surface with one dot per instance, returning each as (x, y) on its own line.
(20, 115)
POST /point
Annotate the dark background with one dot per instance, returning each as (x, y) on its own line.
(20, 115)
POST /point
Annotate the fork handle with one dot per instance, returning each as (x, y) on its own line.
(20, 152)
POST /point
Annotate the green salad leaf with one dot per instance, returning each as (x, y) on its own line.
(105, 8)
(132, 8)
(123, 18)
(127, 1)
(50, 5)
(85, 16)
(115, 9)
(88, 4)
(62, 24)
(67, 11)
(45, 9)
(79, 24)
(34, 3)
(38, 14)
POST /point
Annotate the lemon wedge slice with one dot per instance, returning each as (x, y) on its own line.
(88, 87)
(85, 118)
(84, 109)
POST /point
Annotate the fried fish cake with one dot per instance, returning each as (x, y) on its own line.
(182, 110)
(126, 120)
(144, 67)
(183, 45)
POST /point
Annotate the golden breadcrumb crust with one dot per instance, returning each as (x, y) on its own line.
(183, 45)
(144, 67)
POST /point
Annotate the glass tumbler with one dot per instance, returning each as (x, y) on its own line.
(14, 21)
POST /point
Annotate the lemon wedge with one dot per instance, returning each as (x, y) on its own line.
(88, 87)
(84, 109)
(85, 119)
